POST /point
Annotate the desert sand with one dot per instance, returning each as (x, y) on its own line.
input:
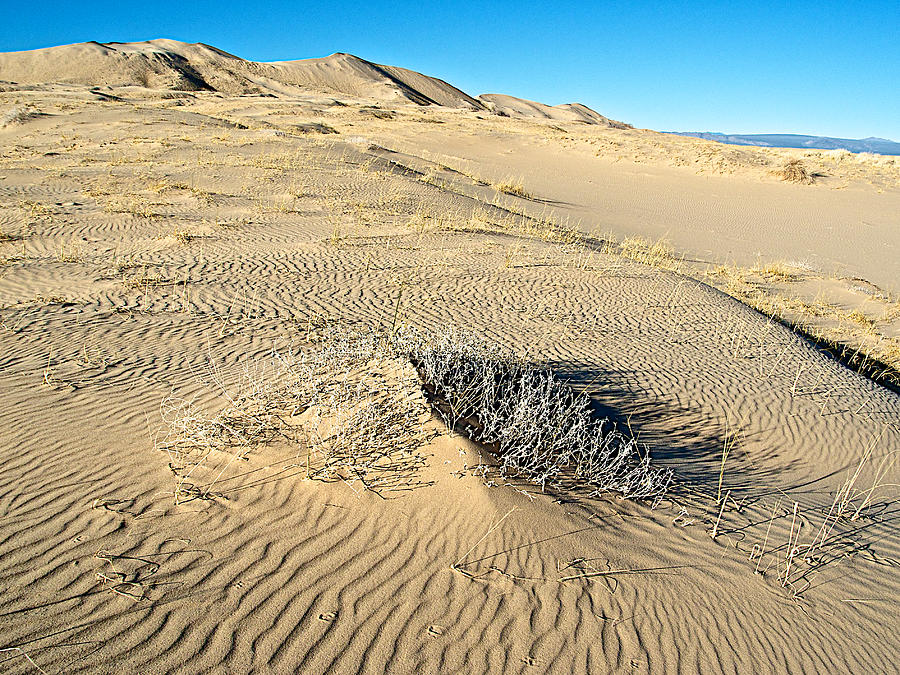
(183, 232)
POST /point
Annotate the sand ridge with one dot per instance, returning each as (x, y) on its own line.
(180, 66)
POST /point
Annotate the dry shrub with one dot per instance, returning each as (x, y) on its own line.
(539, 427)
(352, 410)
(342, 411)
(20, 115)
(794, 171)
(514, 187)
(657, 253)
(182, 236)
(313, 128)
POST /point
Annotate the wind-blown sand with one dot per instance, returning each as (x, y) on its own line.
(161, 244)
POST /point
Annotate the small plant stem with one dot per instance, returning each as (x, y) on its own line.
(790, 551)
(762, 551)
(715, 530)
(486, 535)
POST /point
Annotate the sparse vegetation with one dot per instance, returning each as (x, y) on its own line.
(514, 187)
(182, 236)
(19, 115)
(208, 292)
(68, 253)
(794, 171)
(850, 335)
(345, 419)
(133, 205)
(539, 427)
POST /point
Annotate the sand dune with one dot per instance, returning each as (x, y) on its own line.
(351, 75)
(164, 256)
(169, 64)
(568, 112)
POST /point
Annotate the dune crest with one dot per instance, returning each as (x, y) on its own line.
(170, 64)
(182, 66)
(566, 112)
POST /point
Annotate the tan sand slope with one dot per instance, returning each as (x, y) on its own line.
(163, 64)
(351, 75)
(169, 64)
(160, 254)
(567, 112)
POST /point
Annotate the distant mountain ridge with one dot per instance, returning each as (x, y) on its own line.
(879, 146)
(181, 66)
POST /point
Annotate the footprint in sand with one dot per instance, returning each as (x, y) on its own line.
(435, 631)
(328, 617)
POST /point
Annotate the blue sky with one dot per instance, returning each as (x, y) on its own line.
(827, 68)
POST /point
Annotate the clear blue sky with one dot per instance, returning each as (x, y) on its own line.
(827, 68)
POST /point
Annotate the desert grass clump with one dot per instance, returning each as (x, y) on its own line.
(351, 409)
(132, 205)
(143, 280)
(551, 230)
(182, 236)
(19, 115)
(539, 427)
(860, 319)
(777, 271)
(544, 227)
(68, 253)
(340, 411)
(794, 171)
(514, 187)
(35, 212)
(657, 253)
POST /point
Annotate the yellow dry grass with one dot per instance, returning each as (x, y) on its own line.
(794, 171)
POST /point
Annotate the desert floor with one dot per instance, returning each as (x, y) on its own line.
(159, 249)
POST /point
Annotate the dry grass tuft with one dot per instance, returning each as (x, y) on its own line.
(777, 271)
(794, 171)
(544, 227)
(514, 187)
(182, 236)
(657, 253)
(541, 428)
(132, 205)
(860, 319)
(143, 280)
(19, 115)
(351, 409)
(344, 411)
(69, 253)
